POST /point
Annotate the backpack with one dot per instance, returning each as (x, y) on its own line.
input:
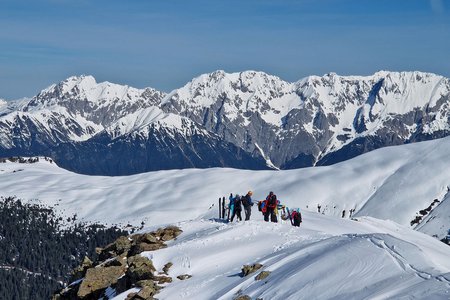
(296, 218)
(245, 201)
(272, 201)
(237, 203)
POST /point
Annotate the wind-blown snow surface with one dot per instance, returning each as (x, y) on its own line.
(327, 257)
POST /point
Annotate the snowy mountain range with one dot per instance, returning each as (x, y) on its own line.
(379, 253)
(248, 120)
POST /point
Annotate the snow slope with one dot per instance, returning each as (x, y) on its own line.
(327, 258)
(392, 183)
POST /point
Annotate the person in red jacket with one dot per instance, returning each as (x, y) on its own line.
(271, 205)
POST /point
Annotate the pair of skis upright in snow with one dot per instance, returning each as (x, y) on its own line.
(222, 209)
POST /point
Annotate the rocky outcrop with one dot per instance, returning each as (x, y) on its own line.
(184, 276)
(249, 269)
(80, 271)
(262, 275)
(243, 297)
(98, 279)
(120, 266)
(140, 268)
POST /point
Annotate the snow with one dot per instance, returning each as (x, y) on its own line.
(140, 122)
(86, 87)
(241, 92)
(375, 255)
(325, 258)
(392, 183)
(235, 95)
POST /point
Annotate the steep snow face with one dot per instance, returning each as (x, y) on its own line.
(141, 122)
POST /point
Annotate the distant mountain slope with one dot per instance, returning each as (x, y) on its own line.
(317, 120)
(394, 183)
(258, 119)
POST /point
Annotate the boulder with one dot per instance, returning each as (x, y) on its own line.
(130, 296)
(146, 293)
(148, 283)
(243, 297)
(184, 277)
(98, 279)
(167, 267)
(118, 247)
(163, 279)
(149, 289)
(168, 233)
(116, 262)
(140, 268)
(80, 271)
(149, 238)
(262, 275)
(248, 269)
(122, 245)
(141, 247)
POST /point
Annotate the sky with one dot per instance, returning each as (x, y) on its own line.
(164, 44)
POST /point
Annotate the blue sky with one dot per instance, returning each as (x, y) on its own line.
(164, 44)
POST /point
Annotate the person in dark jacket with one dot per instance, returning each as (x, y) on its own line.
(247, 203)
(237, 208)
(271, 203)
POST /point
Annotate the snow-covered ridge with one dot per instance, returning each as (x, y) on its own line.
(294, 124)
(274, 98)
(390, 183)
(142, 121)
(248, 91)
(86, 88)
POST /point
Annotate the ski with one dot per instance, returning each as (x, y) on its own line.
(289, 214)
(223, 208)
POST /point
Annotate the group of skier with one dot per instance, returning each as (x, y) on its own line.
(236, 203)
(269, 207)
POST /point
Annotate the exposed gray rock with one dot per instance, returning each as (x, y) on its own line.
(167, 267)
(97, 280)
(262, 275)
(140, 268)
(248, 269)
(184, 277)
